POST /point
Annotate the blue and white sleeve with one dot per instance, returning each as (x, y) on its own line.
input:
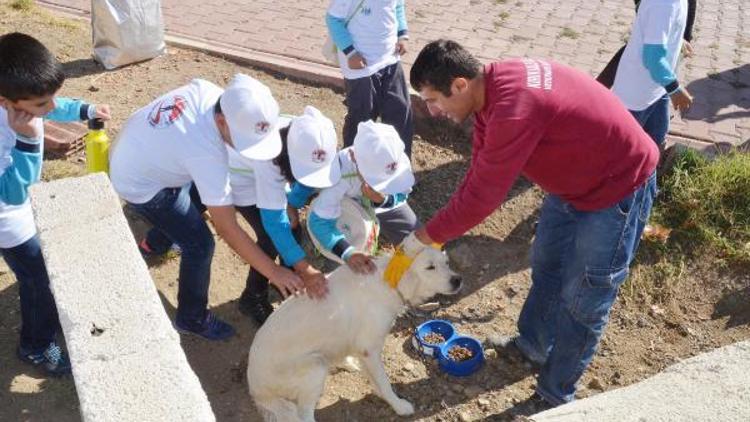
(279, 229)
(70, 110)
(403, 30)
(329, 237)
(299, 194)
(341, 36)
(24, 171)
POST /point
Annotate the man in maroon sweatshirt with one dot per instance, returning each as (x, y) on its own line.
(564, 131)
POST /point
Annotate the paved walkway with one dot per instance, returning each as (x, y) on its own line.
(582, 33)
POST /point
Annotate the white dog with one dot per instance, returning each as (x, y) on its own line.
(293, 351)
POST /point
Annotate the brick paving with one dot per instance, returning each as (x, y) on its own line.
(582, 33)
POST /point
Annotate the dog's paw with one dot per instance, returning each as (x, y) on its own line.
(403, 407)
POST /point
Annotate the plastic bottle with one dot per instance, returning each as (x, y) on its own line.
(97, 147)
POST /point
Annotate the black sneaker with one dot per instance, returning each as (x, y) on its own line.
(52, 359)
(256, 306)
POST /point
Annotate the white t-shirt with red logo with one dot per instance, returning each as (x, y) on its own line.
(374, 31)
(171, 142)
(328, 203)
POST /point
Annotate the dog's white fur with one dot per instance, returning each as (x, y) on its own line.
(293, 351)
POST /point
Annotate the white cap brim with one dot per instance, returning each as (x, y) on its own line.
(400, 182)
(320, 178)
(265, 149)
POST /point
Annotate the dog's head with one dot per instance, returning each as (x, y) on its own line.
(427, 276)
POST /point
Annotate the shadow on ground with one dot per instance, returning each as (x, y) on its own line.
(713, 94)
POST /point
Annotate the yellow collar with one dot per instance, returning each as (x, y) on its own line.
(396, 268)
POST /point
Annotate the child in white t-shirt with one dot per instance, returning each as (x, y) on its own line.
(376, 171)
(268, 193)
(371, 37)
(179, 140)
(30, 77)
(646, 76)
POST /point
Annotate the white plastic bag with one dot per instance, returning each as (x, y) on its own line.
(330, 52)
(126, 31)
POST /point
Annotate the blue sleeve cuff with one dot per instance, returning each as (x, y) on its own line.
(277, 226)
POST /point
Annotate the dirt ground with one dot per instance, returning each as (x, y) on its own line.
(710, 308)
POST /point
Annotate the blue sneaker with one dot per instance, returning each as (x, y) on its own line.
(52, 359)
(212, 328)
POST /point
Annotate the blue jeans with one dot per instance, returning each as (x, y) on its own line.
(174, 215)
(578, 262)
(655, 119)
(39, 322)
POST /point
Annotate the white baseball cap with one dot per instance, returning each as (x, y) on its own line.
(252, 116)
(381, 159)
(312, 149)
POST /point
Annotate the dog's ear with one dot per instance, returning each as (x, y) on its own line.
(409, 286)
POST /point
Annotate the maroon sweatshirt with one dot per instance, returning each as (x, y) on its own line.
(559, 128)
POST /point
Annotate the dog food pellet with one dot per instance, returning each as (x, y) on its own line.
(459, 353)
(434, 338)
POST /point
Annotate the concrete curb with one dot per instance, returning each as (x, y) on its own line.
(713, 386)
(128, 364)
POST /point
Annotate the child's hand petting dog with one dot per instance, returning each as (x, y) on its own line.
(314, 281)
(361, 263)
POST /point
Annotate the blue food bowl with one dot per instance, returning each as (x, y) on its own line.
(465, 367)
(438, 326)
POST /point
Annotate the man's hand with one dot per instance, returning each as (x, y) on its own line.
(401, 46)
(286, 281)
(356, 61)
(315, 281)
(361, 263)
(101, 111)
(21, 122)
(681, 99)
(372, 194)
(293, 215)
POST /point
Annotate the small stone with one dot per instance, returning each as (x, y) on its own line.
(483, 403)
(409, 367)
(429, 306)
(656, 310)
(93, 88)
(490, 354)
(464, 416)
(511, 292)
(596, 384)
(485, 267)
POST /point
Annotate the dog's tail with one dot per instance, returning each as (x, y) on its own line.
(277, 409)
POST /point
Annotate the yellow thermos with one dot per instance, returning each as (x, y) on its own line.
(97, 147)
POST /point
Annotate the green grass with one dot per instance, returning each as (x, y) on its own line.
(22, 5)
(706, 203)
(568, 33)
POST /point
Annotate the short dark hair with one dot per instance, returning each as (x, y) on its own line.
(282, 160)
(27, 68)
(439, 63)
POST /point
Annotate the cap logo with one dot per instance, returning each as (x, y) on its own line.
(261, 128)
(391, 167)
(166, 112)
(318, 156)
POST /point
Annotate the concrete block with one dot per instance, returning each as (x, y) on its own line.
(712, 386)
(128, 364)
